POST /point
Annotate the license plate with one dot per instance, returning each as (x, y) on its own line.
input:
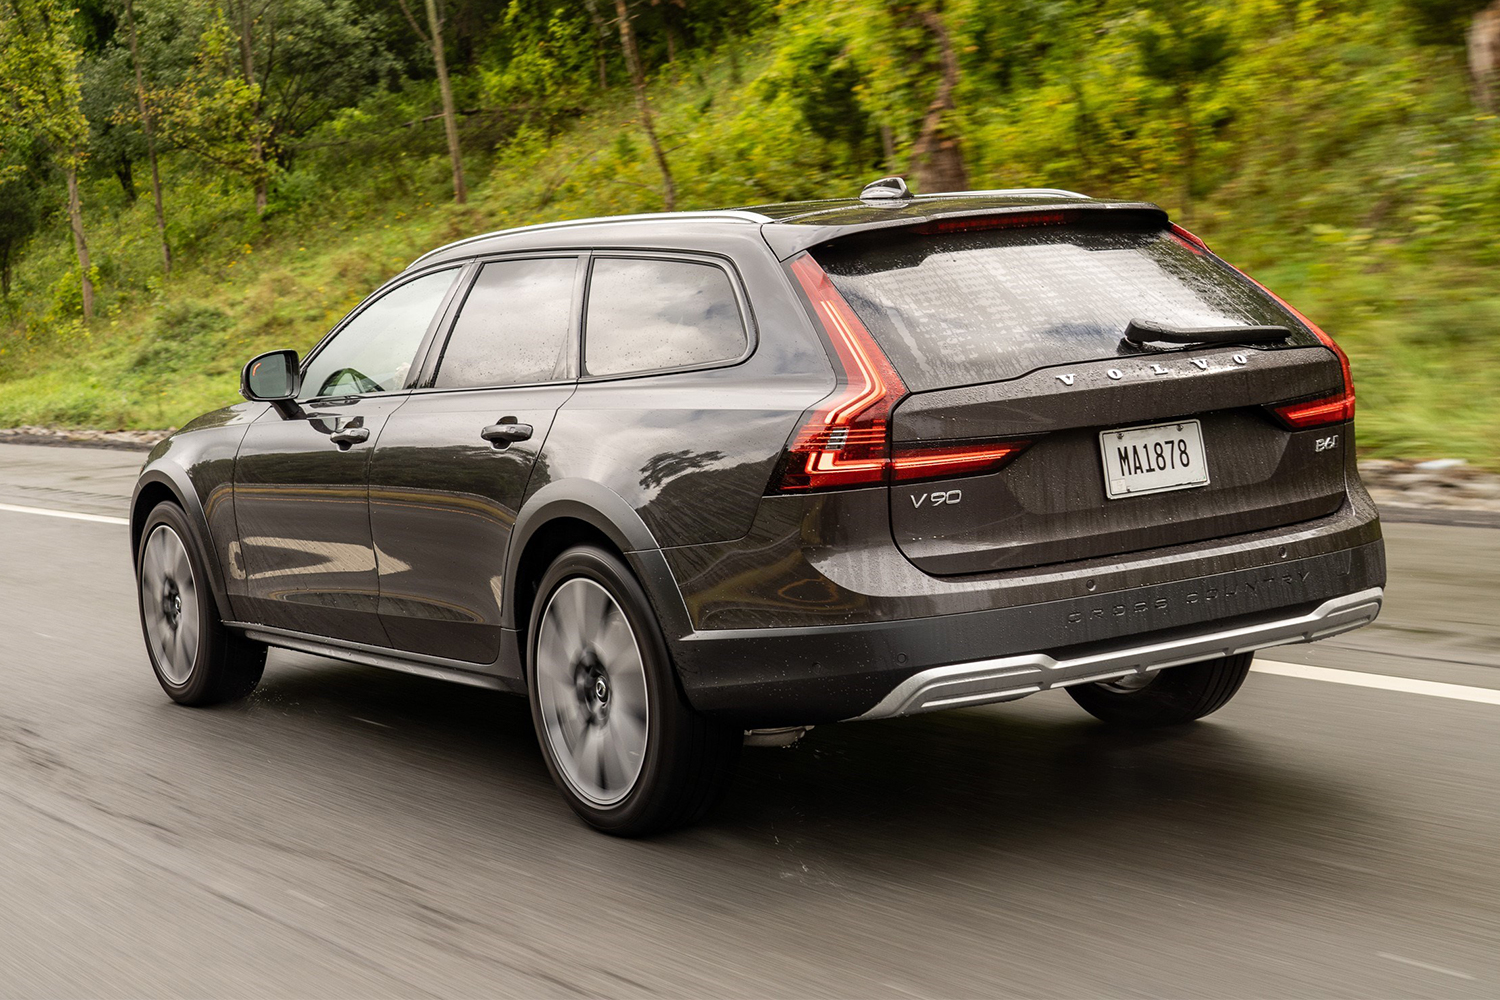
(1155, 459)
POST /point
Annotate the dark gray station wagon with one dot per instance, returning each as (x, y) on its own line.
(695, 479)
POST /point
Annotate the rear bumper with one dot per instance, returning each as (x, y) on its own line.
(801, 676)
(1009, 677)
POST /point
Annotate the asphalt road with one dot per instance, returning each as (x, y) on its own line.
(353, 832)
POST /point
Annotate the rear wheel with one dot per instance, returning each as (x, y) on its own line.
(628, 752)
(195, 658)
(1167, 697)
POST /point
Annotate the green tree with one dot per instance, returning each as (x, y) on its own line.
(40, 100)
(433, 39)
(21, 184)
(642, 102)
(265, 73)
(1184, 45)
(147, 134)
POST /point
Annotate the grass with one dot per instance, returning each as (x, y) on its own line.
(1418, 318)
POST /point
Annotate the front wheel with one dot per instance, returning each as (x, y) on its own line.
(1168, 697)
(195, 658)
(628, 752)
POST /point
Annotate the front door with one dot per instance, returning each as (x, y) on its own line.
(306, 558)
(455, 463)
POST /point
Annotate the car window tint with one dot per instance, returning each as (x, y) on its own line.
(991, 304)
(650, 314)
(374, 352)
(513, 327)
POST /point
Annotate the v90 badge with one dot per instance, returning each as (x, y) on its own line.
(937, 499)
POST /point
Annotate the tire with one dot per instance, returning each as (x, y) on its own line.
(195, 658)
(1168, 698)
(627, 751)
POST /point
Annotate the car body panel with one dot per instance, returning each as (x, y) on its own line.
(778, 608)
(195, 466)
(303, 514)
(443, 501)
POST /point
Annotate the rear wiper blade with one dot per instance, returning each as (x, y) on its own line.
(1141, 331)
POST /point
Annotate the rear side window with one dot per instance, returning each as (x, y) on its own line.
(513, 326)
(981, 306)
(644, 315)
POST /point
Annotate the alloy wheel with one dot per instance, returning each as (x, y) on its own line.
(591, 685)
(169, 603)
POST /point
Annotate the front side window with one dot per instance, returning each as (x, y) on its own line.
(645, 315)
(513, 328)
(375, 350)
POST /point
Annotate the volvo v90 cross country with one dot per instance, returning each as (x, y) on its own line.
(679, 478)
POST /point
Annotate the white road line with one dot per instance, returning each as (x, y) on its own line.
(101, 518)
(1423, 965)
(1384, 682)
(1354, 678)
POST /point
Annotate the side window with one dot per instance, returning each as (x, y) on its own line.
(374, 352)
(649, 314)
(513, 327)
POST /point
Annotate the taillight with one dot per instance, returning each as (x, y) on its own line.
(845, 440)
(1316, 412)
(911, 462)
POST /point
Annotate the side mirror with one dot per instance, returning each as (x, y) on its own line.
(273, 378)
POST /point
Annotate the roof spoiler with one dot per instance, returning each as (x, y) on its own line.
(789, 240)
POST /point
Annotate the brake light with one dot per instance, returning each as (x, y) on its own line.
(844, 441)
(912, 462)
(1015, 220)
(1313, 413)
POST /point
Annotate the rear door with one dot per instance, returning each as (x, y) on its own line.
(453, 465)
(1014, 332)
(301, 484)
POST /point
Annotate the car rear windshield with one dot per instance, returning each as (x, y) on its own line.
(982, 305)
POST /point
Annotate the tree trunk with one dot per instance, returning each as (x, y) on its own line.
(247, 65)
(1484, 55)
(75, 219)
(937, 162)
(450, 120)
(643, 106)
(602, 30)
(126, 176)
(140, 97)
(5, 270)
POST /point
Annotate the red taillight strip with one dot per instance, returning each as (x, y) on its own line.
(1330, 410)
(1315, 413)
(843, 442)
(926, 462)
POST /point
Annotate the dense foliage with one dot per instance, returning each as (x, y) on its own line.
(1332, 147)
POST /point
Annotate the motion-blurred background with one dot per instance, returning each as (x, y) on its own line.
(1347, 152)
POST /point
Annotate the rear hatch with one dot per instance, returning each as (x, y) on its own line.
(1013, 330)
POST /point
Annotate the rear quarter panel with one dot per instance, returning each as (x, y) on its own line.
(692, 452)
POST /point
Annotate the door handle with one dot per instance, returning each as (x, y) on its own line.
(350, 436)
(504, 433)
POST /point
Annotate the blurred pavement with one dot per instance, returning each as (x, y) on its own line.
(356, 832)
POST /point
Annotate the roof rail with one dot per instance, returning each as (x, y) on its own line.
(736, 215)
